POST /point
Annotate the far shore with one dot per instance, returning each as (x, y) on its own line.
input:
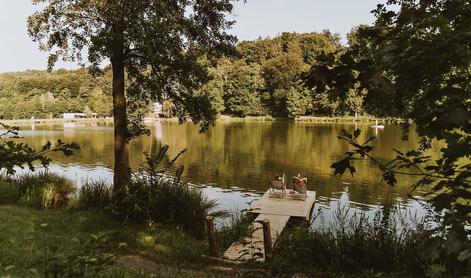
(222, 118)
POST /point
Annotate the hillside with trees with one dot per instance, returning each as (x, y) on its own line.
(290, 75)
(46, 95)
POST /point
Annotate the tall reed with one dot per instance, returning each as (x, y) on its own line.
(389, 242)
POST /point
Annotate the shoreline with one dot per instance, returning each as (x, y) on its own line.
(54, 121)
(222, 118)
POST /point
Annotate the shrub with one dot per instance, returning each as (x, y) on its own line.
(168, 201)
(94, 195)
(36, 190)
(153, 196)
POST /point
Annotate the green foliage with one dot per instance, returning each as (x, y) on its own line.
(424, 47)
(160, 44)
(41, 94)
(298, 101)
(266, 78)
(179, 244)
(449, 241)
(72, 241)
(352, 77)
(154, 197)
(390, 242)
(15, 154)
(86, 260)
(38, 190)
(355, 98)
(168, 202)
(243, 90)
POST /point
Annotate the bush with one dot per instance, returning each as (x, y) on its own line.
(168, 201)
(36, 190)
(153, 196)
(94, 195)
(389, 242)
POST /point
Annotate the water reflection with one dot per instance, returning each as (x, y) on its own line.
(240, 157)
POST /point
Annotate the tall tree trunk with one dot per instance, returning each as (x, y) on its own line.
(121, 143)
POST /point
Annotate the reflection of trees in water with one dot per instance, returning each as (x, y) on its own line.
(248, 154)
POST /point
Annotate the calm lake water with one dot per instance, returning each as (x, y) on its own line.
(234, 160)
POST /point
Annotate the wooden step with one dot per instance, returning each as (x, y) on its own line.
(251, 247)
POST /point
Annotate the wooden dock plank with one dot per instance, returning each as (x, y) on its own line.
(245, 250)
(285, 206)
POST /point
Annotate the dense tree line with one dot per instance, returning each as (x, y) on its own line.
(41, 94)
(291, 75)
(266, 77)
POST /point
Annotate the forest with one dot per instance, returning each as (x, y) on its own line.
(290, 75)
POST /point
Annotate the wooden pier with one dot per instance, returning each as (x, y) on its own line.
(277, 211)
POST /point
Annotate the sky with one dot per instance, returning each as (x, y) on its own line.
(254, 19)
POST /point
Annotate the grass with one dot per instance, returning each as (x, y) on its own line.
(25, 239)
(94, 195)
(41, 232)
(232, 229)
(36, 190)
(164, 201)
(49, 229)
(167, 252)
(390, 244)
(156, 200)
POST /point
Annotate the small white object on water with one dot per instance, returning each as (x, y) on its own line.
(376, 125)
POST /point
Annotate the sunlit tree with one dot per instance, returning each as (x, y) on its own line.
(157, 42)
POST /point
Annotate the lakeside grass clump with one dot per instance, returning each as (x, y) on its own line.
(163, 200)
(94, 195)
(167, 201)
(388, 243)
(38, 190)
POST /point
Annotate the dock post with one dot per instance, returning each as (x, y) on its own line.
(213, 249)
(266, 238)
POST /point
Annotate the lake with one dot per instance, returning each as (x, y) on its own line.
(234, 161)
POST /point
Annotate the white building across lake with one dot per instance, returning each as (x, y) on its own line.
(80, 116)
(158, 108)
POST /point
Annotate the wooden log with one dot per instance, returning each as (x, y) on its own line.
(267, 244)
(213, 248)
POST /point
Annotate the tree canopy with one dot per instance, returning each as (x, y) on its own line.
(423, 50)
(265, 77)
(163, 46)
